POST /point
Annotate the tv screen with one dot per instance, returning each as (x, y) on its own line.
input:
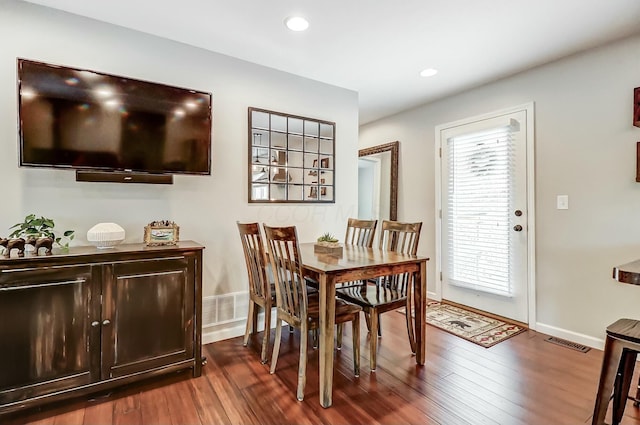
(87, 120)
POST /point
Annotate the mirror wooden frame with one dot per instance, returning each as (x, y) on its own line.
(394, 148)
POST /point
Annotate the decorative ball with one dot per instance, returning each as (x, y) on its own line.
(105, 235)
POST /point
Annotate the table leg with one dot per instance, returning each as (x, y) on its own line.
(327, 325)
(420, 308)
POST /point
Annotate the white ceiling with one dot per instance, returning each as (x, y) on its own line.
(378, 48)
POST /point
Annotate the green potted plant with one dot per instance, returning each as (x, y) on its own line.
(34, 227)
(328, 244)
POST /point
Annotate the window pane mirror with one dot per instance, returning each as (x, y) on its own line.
(378, 182)
(291, 158)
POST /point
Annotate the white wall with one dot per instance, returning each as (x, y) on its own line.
(206, 208)
(585, 148)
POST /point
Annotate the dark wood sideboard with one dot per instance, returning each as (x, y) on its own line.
(85, 320)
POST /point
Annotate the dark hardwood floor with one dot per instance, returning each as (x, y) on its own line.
(523, 380)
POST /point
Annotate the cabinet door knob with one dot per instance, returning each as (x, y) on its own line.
(94, 323)
(106, 322)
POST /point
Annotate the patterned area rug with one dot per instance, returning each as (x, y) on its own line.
(474, 327)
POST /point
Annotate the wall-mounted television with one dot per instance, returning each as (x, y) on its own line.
(99, 123)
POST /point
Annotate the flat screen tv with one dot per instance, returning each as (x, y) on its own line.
(87, 120)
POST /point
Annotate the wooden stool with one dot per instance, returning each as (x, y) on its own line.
(620, 351)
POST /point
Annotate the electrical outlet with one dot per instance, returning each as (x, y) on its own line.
(562, 202)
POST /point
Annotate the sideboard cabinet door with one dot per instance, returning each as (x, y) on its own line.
(46, 331)
(147, 316)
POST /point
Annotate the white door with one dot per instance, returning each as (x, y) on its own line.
(485, 213)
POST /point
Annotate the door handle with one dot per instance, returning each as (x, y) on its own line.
(517, 228)
(106, 322)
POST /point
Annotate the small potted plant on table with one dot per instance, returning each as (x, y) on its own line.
(327, 244)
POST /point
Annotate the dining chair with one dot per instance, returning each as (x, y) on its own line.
(390, 292)
(298, 308)
(261, 291)
(360, 232)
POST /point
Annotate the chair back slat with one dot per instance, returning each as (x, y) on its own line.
(402, 238)
(284, 254)
(360, 232)
(254, 255)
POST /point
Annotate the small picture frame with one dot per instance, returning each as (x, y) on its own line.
(162, 232)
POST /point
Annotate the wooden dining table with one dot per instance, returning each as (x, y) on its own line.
(359, 263)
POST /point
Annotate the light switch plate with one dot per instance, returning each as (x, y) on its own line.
(562, 202)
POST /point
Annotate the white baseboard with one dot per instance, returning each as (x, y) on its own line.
(234, 330)
(583, 339)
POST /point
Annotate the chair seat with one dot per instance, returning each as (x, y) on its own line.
(313, 284)
(344, 310)
(372, 296)
(626, 329)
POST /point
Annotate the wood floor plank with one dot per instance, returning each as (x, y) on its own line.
(181, 406)
(154, 408)
(208, 404)
(74, 417)
(126, 411)
(234, 404)
(98, 414)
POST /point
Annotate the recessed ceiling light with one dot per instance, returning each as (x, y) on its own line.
(429, 72)
(296, 23)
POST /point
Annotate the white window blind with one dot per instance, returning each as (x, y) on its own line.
(478, 210)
